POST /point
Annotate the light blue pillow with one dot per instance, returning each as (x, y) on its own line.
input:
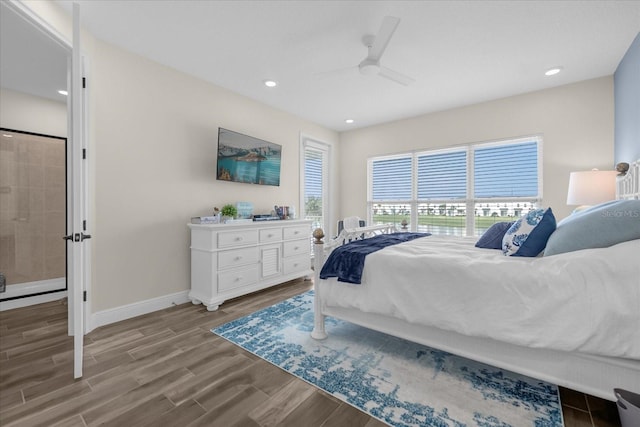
(599, 226)
(529, 235)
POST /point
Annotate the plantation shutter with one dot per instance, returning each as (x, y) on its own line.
(313, 173)
(391, 179)
(313, 180)
(442, 176)
(506, 170)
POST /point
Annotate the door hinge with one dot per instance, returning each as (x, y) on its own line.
(84, 83)
(84, 225)
(84, 296)
(84, 153)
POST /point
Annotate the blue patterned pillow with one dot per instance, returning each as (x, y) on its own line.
(529, 235)
(492, 238)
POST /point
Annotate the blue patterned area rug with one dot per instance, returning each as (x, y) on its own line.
(395, 381)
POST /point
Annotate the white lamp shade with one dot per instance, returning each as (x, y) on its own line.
(591, 187)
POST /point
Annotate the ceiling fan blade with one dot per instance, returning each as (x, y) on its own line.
(388, 27)
(395, 76)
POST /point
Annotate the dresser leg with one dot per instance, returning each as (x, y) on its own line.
(213, 307)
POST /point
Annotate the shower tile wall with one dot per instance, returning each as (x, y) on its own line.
(32, 207)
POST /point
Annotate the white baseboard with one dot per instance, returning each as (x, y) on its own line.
(27, 301)
(100, 318)
(23, 293)
(112, 315)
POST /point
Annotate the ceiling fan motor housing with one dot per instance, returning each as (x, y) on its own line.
(369, 67)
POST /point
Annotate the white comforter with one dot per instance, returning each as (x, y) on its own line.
(587, 301)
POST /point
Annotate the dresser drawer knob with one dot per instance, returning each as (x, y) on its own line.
(238, 258)
(239, 239)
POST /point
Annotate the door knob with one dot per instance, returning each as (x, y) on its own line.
(78, 237)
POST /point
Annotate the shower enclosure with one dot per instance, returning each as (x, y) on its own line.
(32, 213)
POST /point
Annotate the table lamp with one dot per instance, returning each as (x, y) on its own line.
(592, 187)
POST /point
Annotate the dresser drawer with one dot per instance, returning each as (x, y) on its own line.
(229, 239)
(297, 263)
(297, 232)
(237, 278)
(237, 257)
(296, 247)
(270, 235)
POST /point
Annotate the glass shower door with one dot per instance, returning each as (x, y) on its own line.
(32, 213)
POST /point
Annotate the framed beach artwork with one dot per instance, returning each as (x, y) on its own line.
(246, 159)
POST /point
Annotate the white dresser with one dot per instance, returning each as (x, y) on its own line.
(229, 260)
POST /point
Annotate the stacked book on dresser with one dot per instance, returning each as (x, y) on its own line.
(214, 219)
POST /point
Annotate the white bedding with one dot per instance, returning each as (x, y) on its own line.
(586, 301)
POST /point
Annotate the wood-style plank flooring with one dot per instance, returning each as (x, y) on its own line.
(167, 369)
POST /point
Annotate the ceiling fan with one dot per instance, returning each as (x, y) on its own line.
(377, 45)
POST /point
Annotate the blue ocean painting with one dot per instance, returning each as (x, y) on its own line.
(265, 171)
(243, 158)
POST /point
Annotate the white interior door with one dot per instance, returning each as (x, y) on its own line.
(77, 237)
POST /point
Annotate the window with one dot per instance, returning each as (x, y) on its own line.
(506, 170)
(391, 190)
(392, 179)
(457, 191)
(314, 179)
(442, 175)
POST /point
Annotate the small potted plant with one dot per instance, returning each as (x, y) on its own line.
(228, 212)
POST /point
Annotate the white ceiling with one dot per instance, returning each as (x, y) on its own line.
(459, 52)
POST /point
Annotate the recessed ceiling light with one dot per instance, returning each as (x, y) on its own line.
(63, 92)
(552, 71)
(6, 135)
(349, 121)
(270, 83)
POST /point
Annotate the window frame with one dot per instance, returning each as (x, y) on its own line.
(470, 201)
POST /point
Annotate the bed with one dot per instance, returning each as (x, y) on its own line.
(571, 318)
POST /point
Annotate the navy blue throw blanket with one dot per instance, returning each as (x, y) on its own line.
(347, 261)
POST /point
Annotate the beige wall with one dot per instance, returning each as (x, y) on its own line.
(155, 149)
(575, 121)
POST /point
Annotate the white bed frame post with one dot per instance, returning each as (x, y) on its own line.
(318, 332)
(320, 250)
(628, 185)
